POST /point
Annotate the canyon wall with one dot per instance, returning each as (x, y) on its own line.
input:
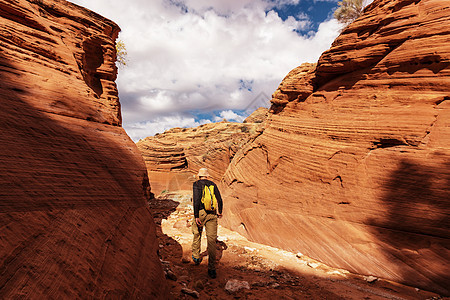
(353, 166)
(74, 217)
(174, 157)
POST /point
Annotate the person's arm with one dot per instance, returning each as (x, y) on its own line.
(219, 201)
(196, 198)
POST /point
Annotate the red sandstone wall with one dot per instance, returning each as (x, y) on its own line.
(353, 167)
(73, 214)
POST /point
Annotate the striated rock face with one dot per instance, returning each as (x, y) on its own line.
(73, 187)
(174, 157)
(297, 85)
(353, 167)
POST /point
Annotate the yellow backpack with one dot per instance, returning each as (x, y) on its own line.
(208, 198)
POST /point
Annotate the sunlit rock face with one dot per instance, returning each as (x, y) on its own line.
(174, 157)
(73, 186)
(353, 167)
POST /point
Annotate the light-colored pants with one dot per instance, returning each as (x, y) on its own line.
(209, 221)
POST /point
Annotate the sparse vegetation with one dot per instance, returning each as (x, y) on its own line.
(122, 53)
(349, 10)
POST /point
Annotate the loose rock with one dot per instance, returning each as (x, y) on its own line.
(313, 265)
(198, 285)
(370, 279)
(190, 292)
(171, 275)
(234, 285)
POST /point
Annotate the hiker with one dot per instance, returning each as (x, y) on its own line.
(207, 208)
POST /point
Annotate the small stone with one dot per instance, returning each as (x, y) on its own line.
(190, 292)
(275, 285)
(299, 255)
(198, 285)
(233, 285)
(370, 279)
(313, 265)
(171, 275)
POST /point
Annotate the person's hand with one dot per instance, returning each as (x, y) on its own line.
(219, 215)
(197, 220)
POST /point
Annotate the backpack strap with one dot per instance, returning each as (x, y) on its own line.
(203, 193)
(209, 190)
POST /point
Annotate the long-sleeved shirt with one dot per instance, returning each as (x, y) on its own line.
(197, 196)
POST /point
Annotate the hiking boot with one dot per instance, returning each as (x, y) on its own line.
(197, 261)
(212, 273)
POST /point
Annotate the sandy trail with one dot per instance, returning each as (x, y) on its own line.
(269, 272)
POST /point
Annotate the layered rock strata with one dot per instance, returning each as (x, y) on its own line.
(73, 187)
(174, 157)
(353, 167)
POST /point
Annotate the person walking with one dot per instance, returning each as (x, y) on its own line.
(208, 206)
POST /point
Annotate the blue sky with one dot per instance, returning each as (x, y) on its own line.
(192, 62)
(316, 11)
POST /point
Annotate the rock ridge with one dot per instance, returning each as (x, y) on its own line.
(174, 157)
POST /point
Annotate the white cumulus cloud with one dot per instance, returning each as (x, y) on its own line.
(214, 56)
(141, 130)
(229, 115)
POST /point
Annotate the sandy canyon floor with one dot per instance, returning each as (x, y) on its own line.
(257, 271)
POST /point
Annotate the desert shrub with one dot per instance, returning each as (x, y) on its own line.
(121, 51)
(349, 10)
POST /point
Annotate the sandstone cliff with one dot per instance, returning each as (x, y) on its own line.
(174, 157)
(353, 167)
(74, 219)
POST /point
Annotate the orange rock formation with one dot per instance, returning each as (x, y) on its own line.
(353, 167)
(174, 157)
(73, 187)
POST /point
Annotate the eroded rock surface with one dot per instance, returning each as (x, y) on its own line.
(174, 157)
(353, 167)
(73, 187)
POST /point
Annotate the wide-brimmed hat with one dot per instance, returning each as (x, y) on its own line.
(203, 172)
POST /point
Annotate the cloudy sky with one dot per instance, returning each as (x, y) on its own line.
(192, 62)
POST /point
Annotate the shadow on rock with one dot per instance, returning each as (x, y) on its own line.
(161, 208)
(417, 227)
